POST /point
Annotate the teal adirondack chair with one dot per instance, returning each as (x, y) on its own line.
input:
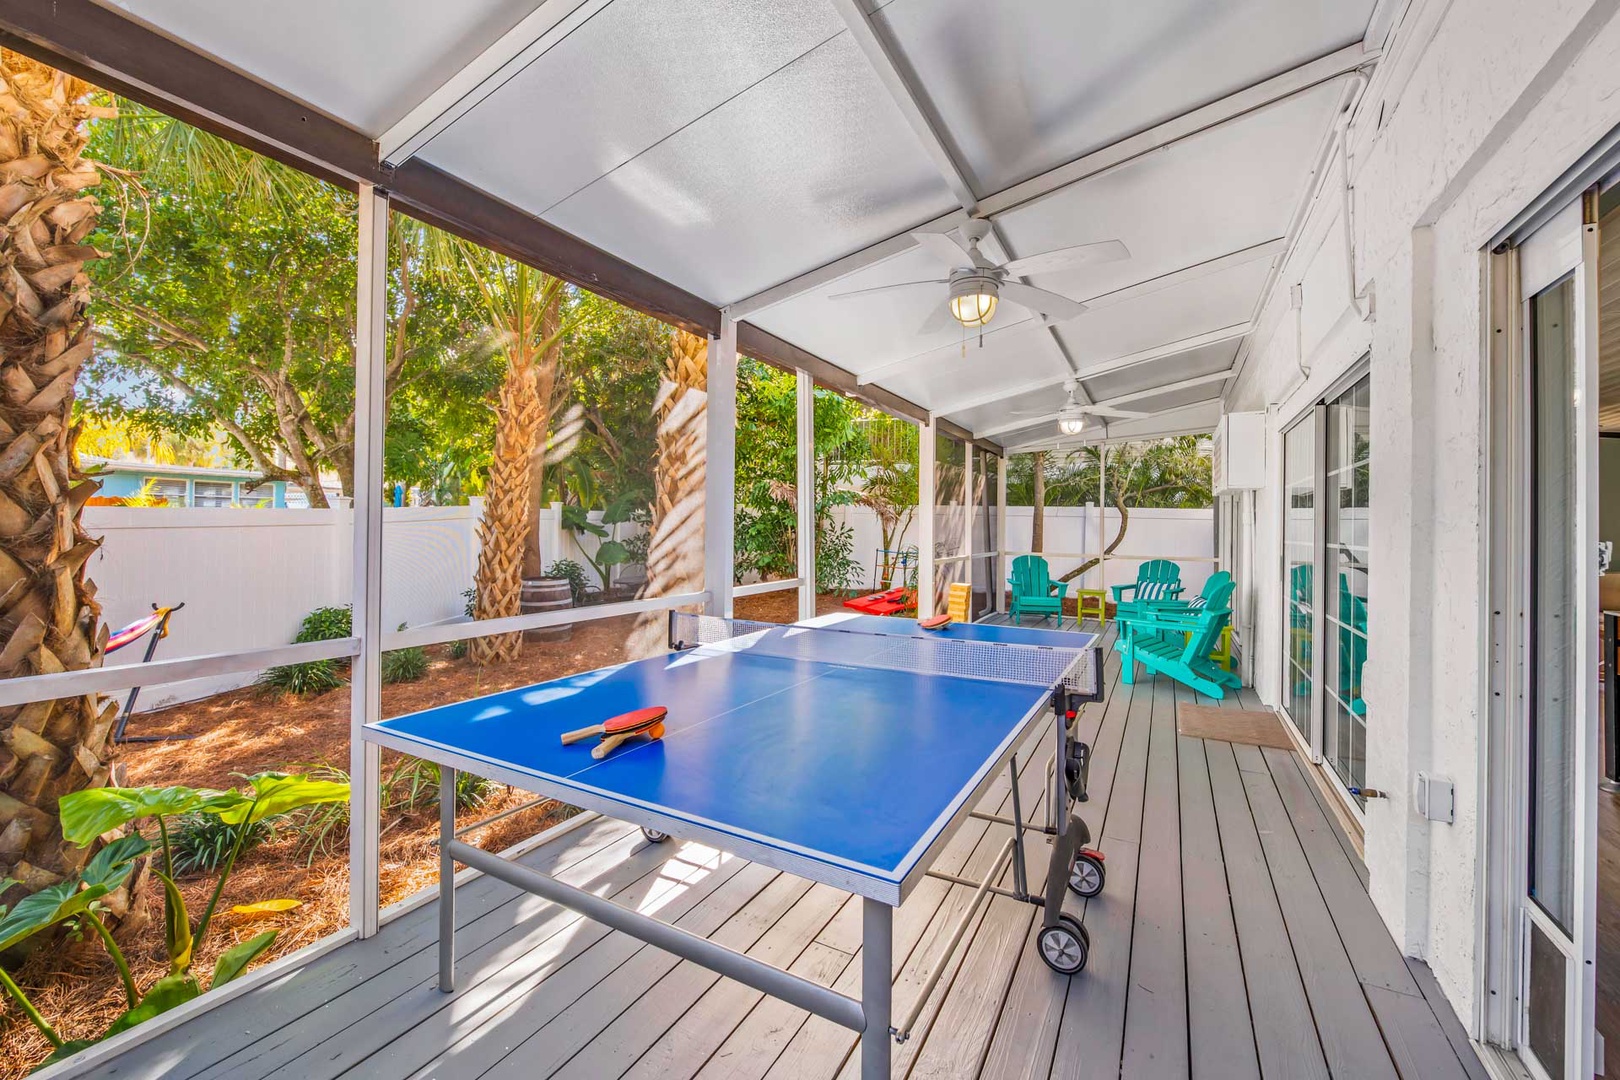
(1216, 593)
(1156, 579)
(1033, 590)
(1352, 646)
(1178, 644)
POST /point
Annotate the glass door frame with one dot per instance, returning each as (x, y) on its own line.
(1311, 739)
(1309, 733)
(1563, 249)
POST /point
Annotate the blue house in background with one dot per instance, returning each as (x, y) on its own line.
(188, 485)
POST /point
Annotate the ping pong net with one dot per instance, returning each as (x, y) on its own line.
(1077, 670)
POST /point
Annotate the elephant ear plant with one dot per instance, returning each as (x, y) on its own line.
(87, 815)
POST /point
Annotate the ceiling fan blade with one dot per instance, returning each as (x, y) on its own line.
(1050, 304)
(939, 319)
(1064, 258)
(1121, 414)
(944, 247)
(885, 288)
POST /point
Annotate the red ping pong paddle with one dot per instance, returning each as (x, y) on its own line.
(615, 730)
(938, 622)
(629, 722)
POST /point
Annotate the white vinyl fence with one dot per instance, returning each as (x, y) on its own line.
(248, 577)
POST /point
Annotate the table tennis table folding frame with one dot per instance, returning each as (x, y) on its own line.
(872, 1012)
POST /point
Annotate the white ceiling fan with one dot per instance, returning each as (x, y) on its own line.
(1072, 417)
(976, 284)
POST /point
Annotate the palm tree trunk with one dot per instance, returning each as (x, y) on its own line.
(503, 531)
(545, 378)
(1037, 534)
(49, 617)
(675, 553)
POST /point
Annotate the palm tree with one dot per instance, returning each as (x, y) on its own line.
(524, 312)
(675, 553)
(49, 618)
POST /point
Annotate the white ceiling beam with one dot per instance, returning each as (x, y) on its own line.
(1261, 96)
(545, 26)
(1159, 352)
(1171, 388)
(891, 72)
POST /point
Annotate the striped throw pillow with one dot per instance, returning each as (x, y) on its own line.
(1153, 590)
(1197, 602)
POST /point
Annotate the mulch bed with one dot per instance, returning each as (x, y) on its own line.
(247, 731)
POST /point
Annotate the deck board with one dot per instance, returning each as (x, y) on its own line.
(1235, 925)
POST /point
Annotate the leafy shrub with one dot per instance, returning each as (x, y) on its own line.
(87, 815)
(413, 784)
(204, 841)
(314, 676)
(404, 665)
(322, 828)
(837, 569)
(578, 580)
(458, 649)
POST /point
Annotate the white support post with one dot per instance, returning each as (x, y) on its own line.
(805, 485)
(1102, 517)
(720, 469)
(925, 520)
(969, 510)
(999, 566)
(365, 701)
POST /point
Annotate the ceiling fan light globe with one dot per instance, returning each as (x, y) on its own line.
(973, 300)
(1072, 425)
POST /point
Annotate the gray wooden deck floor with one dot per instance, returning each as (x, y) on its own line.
(1235, 939)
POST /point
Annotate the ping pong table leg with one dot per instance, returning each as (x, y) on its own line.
(877, 989)
(447, 880)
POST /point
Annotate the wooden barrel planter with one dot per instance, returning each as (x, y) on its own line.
(547, 594)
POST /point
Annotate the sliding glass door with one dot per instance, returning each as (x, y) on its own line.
(1327, 460)
(1551, 737)
(1344, 644)
(1301, 511)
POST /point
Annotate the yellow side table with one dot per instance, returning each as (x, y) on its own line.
(957, 606)
(1222, 652)
(1092, 604)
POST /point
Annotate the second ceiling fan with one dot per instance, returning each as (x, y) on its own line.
(976, 284)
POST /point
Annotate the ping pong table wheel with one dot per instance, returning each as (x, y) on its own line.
(1087, 876)
(1064, 945)
(654, 836)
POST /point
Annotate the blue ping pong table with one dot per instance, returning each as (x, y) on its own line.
(847, 750)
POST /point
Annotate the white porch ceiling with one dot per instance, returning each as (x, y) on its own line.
(731, 146)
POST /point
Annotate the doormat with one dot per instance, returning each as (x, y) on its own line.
(1253, 726)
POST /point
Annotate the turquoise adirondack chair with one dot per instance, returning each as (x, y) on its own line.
(1352, 646)
(1216, 593)
(1178, 644)
(1156, 579)
(1033, 590)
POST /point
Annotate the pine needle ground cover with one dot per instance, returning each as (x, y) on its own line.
(77, 989)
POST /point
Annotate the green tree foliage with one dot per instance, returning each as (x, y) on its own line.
(1153, 473)
(766, 481)
(1170, 473)
(229, 305)
(603, 433)
(766, 524)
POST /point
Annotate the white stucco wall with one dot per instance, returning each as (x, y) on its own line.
(1482, 103)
